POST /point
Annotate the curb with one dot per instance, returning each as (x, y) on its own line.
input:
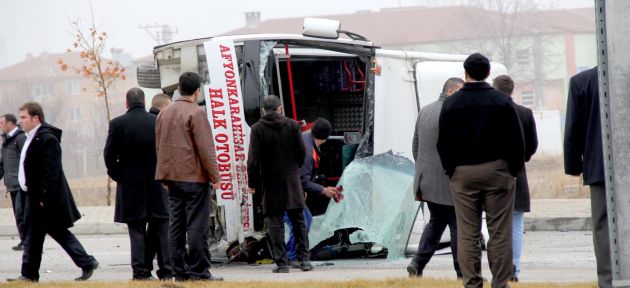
(562, 224)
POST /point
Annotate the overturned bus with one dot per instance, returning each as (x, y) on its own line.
(371, 96)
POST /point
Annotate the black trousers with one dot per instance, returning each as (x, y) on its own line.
(37, 225)
(441, 216)
(276, 234)
(18, 201)
(149, 237)
(189, 205)
(601, 242)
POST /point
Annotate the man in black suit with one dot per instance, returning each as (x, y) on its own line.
(583, 154)
(50, 208)
(505, 84)
(131, 159)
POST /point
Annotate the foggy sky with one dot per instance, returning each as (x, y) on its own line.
(36, 26)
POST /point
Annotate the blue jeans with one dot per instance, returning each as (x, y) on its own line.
(308, 218)
(517, 239)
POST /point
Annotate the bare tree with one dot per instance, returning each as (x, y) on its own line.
(501, 26)
(92, 43)
(510, 32)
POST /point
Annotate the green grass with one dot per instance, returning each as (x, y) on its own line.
(392, 283)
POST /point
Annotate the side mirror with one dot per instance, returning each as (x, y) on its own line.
(321, 28)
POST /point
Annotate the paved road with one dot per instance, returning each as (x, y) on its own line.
(548, 257)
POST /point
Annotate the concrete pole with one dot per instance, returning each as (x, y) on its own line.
(613, 43)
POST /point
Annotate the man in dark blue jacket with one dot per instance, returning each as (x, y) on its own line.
(583, 154)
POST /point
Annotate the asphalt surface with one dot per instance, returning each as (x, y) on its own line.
(547, 257)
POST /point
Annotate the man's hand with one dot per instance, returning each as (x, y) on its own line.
(250, 190)
(330, 192)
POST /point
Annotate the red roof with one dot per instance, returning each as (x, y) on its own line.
(409, 25)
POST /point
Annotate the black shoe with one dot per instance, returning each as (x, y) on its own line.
(294, 264)
(18, 247)
(143, 278)
(88, 271)
(280, 269)
(412, 269)
(306, 266)
(21, 278)
(514, 278)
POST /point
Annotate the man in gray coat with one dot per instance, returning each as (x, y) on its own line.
(12, 145)
(431, 185)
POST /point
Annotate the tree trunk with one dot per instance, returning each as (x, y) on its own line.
(109, 180)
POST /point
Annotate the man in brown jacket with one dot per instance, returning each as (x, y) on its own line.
(186, 163)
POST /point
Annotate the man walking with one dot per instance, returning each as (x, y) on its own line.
(481, 148)
(50, 208)
(505, 84)
(187, 163)
(130, 160)
(14, 139)
(276, 153)
(583, 154)
(431, 185)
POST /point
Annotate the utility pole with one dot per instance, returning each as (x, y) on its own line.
(613, 43)
(161, 33)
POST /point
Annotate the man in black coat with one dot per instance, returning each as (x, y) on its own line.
(481, 148)
(50, 207)
(505, 84)
(583, 154)
(131, 159)
(309, 172)
(14, 139)
(276, 152)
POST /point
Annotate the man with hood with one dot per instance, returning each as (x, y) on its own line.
(14, 139)
(50, 208)
(276, 153)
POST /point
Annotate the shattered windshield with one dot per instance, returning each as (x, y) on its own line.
(378, 199)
